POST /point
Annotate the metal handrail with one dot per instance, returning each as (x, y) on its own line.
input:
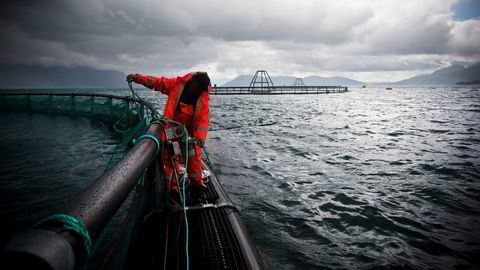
(277, 90)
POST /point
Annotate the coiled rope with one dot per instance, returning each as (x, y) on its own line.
(72, 224)
(151, 137)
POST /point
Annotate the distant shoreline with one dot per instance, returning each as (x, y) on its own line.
(475, 82)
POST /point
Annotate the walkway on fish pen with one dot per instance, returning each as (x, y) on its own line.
(278, 90)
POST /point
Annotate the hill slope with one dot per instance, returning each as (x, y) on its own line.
(244, 80)
(446, 76)
(22, 76)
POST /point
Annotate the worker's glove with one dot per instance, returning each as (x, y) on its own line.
(131, 77)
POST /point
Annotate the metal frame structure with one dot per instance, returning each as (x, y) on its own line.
(298, 82)
(279, 90)
(262, 84)
(261, 78)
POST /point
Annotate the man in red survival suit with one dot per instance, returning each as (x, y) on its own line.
(187, 104)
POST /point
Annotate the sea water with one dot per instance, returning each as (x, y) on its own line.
(365, 179)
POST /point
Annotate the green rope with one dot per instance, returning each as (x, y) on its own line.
(151, 137)
(186, 223)
(71, 223)
(118, 121)
(182, 193)
(126, 138)
(128, 133)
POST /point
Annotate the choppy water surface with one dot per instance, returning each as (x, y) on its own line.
(370, 178)
(357, 180)
(45, 160)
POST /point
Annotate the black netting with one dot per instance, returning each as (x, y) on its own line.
(128, 118)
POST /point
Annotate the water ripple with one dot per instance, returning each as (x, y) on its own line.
(367, 179)
(363, 180)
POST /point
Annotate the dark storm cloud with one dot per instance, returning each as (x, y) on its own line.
(232, 37)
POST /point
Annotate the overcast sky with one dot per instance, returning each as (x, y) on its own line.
(369, 40)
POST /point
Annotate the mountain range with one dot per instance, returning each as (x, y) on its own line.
(446, 76)
(23, 76)
(244, 80)
(452, 75)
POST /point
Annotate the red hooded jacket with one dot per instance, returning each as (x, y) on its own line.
(173, 87)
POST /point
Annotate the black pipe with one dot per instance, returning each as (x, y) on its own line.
(52, 247)
(95, 204)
